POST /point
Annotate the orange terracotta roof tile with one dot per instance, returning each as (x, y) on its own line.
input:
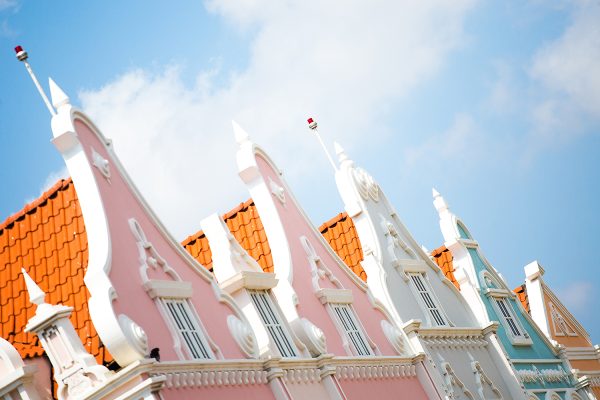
(245, 225)
(443, 258)
(48, 239)
(521, 292)
(198, 247)
(343, 239)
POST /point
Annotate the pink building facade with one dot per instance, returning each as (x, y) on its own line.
(176, 330)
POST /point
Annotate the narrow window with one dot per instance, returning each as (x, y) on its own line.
(270, 317)
(428, 299)
(509, 319)
(347, 319)
(188, 328)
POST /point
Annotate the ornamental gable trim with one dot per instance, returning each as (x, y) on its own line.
(305, 265)
(127, 318)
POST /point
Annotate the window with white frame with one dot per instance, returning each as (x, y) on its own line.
(185, 320)
(272, 321)
(427, 297)
(509, 320)
(352, 329)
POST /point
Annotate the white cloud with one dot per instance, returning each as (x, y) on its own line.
(342, 65)
(8, 4)
(461, 141)
(568, 69)
(577, 296)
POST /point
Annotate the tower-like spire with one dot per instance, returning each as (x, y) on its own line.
(58, 96)
(23, 56)
(241, 135)
(438, 201)
(340, 152)
(36, 295)
(312, 124)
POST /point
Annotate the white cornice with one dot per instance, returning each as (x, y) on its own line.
(249, 280)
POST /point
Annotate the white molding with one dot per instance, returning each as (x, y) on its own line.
(119, 342)
(535, 295)
(583, 353)
(249, 280)
(329, 295)
(170, 289)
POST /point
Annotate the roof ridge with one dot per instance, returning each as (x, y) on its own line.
(333, 221)
(61, 184)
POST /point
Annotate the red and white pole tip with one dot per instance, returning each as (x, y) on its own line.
(21, 54)
(312, 124)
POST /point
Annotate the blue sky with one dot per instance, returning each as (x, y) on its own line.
(496, 104)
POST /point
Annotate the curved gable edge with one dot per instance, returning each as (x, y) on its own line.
(96, 171)
(266, 191)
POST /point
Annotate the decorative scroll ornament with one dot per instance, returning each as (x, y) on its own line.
(483, 382)
(277, 191)
(243, 335)
(318, 269)
(135, 333)
(394, 335)
(101, 164)
(456, 388)
(367, 187)
(561, 326)
(311, 335)
(395, 241)
(148, 256)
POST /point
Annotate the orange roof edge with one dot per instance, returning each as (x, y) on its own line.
(521, 292)
(443, 258)
(31, 207)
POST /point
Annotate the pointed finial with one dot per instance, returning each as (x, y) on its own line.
(439, 202)
(58, 96)
(241, 135)
(36, 295)
(340, 152)
(23, 57)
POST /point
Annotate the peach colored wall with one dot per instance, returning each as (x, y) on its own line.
(296, 225)
(379, 389)
(250, 392)
(586, 365)
(568, 341)
(120, 205)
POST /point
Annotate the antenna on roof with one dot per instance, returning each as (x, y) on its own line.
(312, 124)
(23, 56)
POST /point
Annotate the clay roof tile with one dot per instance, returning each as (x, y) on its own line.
(443, 258)
(341, 234)
(47, 238)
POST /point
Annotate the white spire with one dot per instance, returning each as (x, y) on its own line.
(241, 135)
(58, 96)
(36, 295)
(340, 152)
(438, 201)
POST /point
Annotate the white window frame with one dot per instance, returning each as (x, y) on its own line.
(273, 322)
(509, 320)
(189, 331)
(351, 329)
(506, 313)
(427, 299)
